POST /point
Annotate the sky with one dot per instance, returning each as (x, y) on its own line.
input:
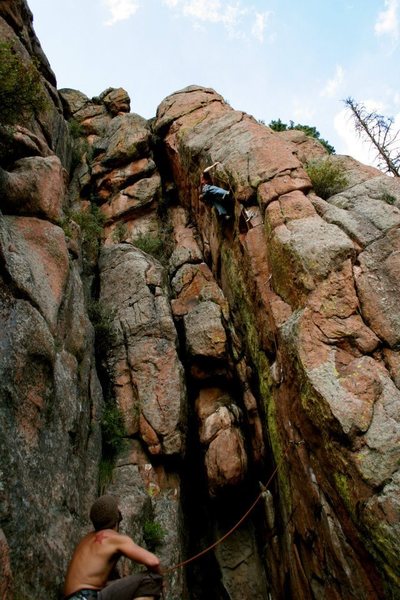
(288, 59)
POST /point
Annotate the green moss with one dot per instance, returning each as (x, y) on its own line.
(251, 336)
(314, 405)
(388, 198)
(392, 584)
(258, 357)
(248, 323)
(153, 534)
(343, 487)
(279, 455)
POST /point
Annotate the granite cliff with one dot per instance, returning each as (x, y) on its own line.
(153, 351)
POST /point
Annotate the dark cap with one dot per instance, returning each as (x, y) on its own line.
(105, 513)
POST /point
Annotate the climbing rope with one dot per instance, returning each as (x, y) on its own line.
(243, 518)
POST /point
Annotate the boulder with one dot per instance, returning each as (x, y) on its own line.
(36, 258)
(307, 147)
(73, 101)
(378, 286)
(192, 285)
(204, 331)
(225, 455)
(314, 246)
(35, 187)
(186, 249)
(128, 139)
(143, 352)
(226, 460)
(141, 195)
(364, 210)
(116, 100)
(116, 179)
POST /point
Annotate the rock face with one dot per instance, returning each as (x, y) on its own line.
(50, 398)
(311, 287)
(246, 364)
(148, 374)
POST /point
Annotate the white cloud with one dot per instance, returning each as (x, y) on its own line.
(353, 145)
(388, 20)
(205, 10)
(258, 28)
(302, 113)
(231, 15)
(396, 97)
(333, 84)
(121, 10)
(214, 11)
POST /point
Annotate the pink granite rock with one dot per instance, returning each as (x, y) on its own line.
(35, 187)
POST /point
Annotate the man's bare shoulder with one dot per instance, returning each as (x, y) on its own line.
(108, 536)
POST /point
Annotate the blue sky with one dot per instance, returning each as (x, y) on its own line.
(270, 58)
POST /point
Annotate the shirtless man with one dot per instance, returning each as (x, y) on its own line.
(94, 560)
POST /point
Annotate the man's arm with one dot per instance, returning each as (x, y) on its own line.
(128, 548)
(211, 167)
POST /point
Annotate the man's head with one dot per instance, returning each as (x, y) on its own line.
(206, 177)
(105, 513)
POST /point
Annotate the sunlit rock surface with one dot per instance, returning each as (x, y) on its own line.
(263, 348)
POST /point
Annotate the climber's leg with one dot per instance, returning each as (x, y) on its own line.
(133, 587)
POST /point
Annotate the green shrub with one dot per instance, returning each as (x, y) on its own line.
(113, 430)
(153, 534)
(160, 246)
(80, 149)
(120, 232)
(106, 468)
(65, 224)
(81, 146)
(113, 442)
(75, 129)
(91, 223)
(102, 319)
(21, 90)
(327, 177)
(149, 243)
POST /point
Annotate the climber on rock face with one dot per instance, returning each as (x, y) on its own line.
(93, 562)
(213, 195)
